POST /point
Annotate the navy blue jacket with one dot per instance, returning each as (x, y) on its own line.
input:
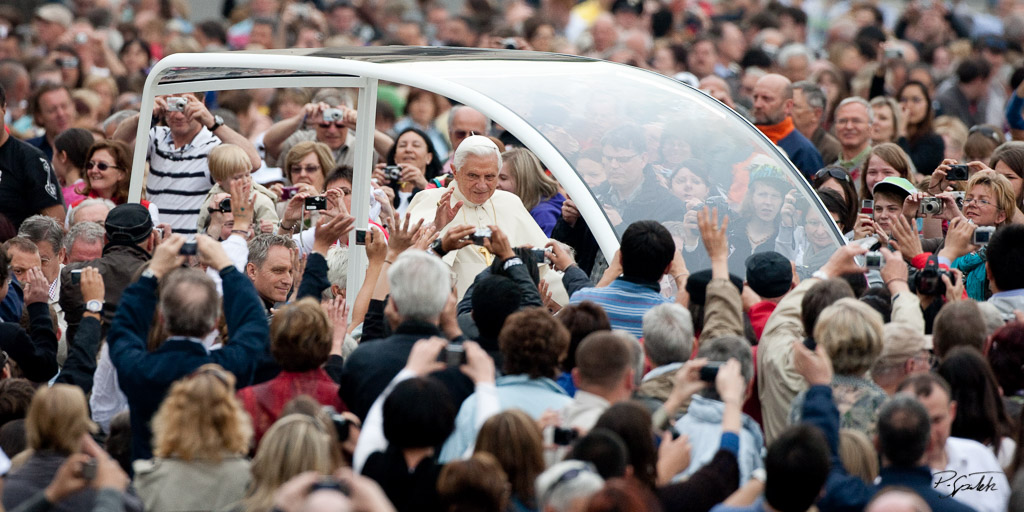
(802, 153)
(145, 377)
(846, 493)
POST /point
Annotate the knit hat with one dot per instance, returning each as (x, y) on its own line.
(769, 274)
(128, 224)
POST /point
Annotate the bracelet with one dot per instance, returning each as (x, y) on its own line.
(241, 232)
(681, 274)
(894, 280)
(281, 225)
(389, 262)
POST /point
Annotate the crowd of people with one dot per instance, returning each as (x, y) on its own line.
(200, 350)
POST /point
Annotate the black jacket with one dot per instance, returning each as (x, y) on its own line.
(118, 266)
(34, 351)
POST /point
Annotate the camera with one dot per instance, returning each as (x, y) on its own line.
(89, 470)
(717, 202)
(333, 115)
(225, 205)
(564, 436)
(288, 192)
(454, 355)
(958, 172)
(81, 38)
(393, 172)
(329, 484)
(709, 372)
(810, 343)
(874, 260)
(867, 207)
(541, 255)
(315, 203)
(893, 53)
(928, 281)
(68, 62)
(188, 249)
(930, 206)
(340, 422)
(360, 237)
(479, 235)
(76, 276)
(982, 234)
(176, 104)
(958, 196)
(509, 43)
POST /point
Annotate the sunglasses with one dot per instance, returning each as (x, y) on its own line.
(337, 124)
(102, 166)
(832, 172)
(987, 131)
(462, 134)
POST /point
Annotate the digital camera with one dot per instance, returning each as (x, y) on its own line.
(176, 104)
(333, 115)
(930, 206)
(982, 234)
(874, 260)
(479, 235)
(393, 172)
(225, 205)
(315, 203)
(959, 172)
(928, 281)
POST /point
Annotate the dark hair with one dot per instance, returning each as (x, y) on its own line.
(142, 44)
(5, 272)
(1005, 252)
(605, 450)
(76, 143)
(603, 359)
(581, 320)
(1006, 357)
(972, 69)
(434, 168)
(341, 172)
(300, 336)
(958, 324)
(646, 251)
(797, 464)
(819, 297)
(627, 136)
(917, 130)
(533, 343)
(904, 429)
(3, 97)
(119, 440)
(42, 89)
(980, 413)
(418, 413)
(879, 298)
(213, 29)
(494, 299)
(529, 262)
(12, 437)
(476, 484)
(834, 203)
(122, 155)
(632, 422)
(15, 397)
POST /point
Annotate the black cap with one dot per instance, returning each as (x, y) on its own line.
(769, 274)
(128, 224)
(697, 285)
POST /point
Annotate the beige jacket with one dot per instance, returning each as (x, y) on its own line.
(265, 209)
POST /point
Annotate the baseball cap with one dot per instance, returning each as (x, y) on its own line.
(902, 186)
(901, 342)
(697, 285)
(769, 274)
(55, 13)
(128, 224)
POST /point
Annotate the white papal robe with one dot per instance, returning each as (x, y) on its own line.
(504, 210)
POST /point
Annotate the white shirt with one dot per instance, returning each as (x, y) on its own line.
(583, 412)
(968, 463)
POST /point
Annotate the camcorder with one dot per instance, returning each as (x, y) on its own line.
(928, 281)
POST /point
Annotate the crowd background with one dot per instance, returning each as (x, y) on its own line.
(199, 351)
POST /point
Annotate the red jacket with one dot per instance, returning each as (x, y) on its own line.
(264, 402)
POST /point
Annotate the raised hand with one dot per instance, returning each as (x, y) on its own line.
(35, 286)
(445, 212)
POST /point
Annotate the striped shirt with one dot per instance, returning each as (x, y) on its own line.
(624, 302)
(179, 178)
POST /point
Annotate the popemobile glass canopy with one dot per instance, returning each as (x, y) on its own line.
(698, 151)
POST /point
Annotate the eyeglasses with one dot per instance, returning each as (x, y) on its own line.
(619, 159)
(337, 124)
(853, 121)
(309, 169)
(462, 134)
(834, 172)
(981, 202)
(102, 166)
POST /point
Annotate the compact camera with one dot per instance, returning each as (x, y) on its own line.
(509, 43)
(315, 203)
(176, 104)
(393, 172)
(76, 276)
(333, 115)
(479, 235)
(454, 355)
(564, 436)
(709, 372)
(541, 255)
(930, 206)
(288, 192)
(188, 249)
(225, 205)
(958, 196)
(959, 172)
(893, 53)
(982, 235)
(874, 260)
(340, 422)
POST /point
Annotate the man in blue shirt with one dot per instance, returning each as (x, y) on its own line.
(646, 254)
(773, 106)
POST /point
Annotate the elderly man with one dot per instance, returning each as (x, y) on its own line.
(471, 202)
(809, 102)
(464, 122)
(854, 119)
(91, 210)
(84, 242)
(773, 107)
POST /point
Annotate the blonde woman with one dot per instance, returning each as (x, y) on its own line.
(57, 420)
(306, 166)
(885, 160)
(201, 435)
(888, 120)
(523, 175)
(296, 443)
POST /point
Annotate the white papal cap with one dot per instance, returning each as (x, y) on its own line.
(476, 145)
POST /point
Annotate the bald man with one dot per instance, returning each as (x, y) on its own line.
(773, 106)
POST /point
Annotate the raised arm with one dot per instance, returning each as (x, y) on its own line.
(723, 309)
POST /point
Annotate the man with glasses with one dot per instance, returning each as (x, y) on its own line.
(328, 118)
(463, 122)
(854, 118)
(809, 103)
(179, 175)
(905, 352)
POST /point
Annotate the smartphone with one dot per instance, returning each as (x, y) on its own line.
(188, 249)
(867, 207)
(89, 470)
(360, 237)
(710, 371)
(76, 276)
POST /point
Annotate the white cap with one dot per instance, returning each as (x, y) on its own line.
(475, 145)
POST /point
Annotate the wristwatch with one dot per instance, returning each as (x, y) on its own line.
(437, 247)
(94, 306)
(149, 273)
(218, 121)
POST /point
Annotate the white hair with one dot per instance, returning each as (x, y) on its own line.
(337, 266)
(792, 50)
(420, 285)
(859, 101)
(668, 334)
(85, 204)
(559, 495)
(475, 145)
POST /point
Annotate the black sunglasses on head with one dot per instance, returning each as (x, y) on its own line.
(834, 172)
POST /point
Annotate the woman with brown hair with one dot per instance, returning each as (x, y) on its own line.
(883, 161)
(107, 175)
(201, 435)
(515, 440)
(925, 147)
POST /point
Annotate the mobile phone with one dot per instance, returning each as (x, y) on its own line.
(360, 237)
(89, 470)
(76, 276)
(709, 372)
(288, 192)
(329, 484)
(188, 249)
(867, 207)
(316, 203)
(564, 436)
(810, 343)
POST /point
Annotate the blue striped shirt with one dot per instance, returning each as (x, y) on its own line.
(625, 303)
